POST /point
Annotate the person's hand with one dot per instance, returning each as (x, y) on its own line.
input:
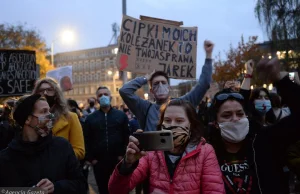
(46, 185)
(133, 153)
(269, 70)
(249, 67)
(208, 47)
(229, 84)
(148, 76)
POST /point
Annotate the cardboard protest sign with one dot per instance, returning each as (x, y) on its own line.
(18, 72)
(63, 75)
(145, 45)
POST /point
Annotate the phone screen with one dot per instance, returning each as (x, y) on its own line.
(292, 76)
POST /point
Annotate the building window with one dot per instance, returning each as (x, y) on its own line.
(93, 89)
(79, 78)
(87, 90)
(81, 90)
(98, 65)
(92, 76)
(96, 77)
(75, 90)
(86, 66)
(92, 66)
(74, 68)
(83, 79)
(80, 68)
(74, 79)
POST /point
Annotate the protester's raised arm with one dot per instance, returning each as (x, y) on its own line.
(198, 92)
(286, 131)
(137, 105)
(249, 73)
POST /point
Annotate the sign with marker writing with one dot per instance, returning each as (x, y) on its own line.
(18, 72)
(144, 46)
(64, 77)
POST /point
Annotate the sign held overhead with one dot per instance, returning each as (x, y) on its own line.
(145, 45)
(18, 72)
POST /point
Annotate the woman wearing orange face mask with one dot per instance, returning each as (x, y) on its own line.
(191, 167)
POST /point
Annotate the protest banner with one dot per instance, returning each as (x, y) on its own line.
(63, 75)
(145, 46)
(18, 72)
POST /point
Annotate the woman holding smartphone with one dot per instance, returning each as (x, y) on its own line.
(190, 167)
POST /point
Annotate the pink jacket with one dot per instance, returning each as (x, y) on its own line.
(197, 172)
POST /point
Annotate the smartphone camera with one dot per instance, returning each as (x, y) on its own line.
(163, 141)
(165, 134)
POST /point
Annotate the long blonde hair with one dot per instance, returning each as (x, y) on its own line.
(61, 106)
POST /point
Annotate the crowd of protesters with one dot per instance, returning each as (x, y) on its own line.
(239, 141)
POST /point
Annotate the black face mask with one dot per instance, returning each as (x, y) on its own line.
(92, 104)
(125, 109)
(50, 100)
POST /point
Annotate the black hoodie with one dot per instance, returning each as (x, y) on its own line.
(24, 164)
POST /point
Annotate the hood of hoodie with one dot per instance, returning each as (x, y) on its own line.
(30, 148)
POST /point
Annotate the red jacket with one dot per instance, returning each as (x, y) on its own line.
(197, 172)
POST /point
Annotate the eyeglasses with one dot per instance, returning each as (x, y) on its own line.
(49, 91)
(225, 96)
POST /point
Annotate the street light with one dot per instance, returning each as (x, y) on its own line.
(67, 36)
(265, 85)
(271, 87)
(115, 51)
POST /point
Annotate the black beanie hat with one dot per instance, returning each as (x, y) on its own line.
(24, 107)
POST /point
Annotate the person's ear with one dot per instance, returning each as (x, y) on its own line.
(28, 120)
(151, 91)
(215, 124)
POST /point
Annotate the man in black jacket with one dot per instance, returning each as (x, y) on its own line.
(106, 137)
(35, 158)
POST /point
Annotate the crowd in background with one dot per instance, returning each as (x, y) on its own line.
(239, 141)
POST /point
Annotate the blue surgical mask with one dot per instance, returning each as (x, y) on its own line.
(208, 104)
(104, 101)
(262, 106)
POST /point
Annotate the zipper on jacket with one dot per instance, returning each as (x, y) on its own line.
(106, 131)
(171, 180)
(256, 164)
(184, 158)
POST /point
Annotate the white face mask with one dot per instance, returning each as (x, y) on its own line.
(161, 89)
(235, 132)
